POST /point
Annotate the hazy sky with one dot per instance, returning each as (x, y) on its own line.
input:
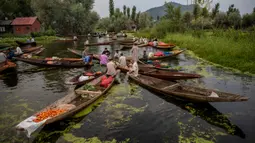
(101, 6)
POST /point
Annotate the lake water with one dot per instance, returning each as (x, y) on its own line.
(128, 113)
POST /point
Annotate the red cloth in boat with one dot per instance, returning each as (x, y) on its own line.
(106, 81)
(158, 54)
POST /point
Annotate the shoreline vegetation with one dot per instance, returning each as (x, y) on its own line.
(230, 49)
(10, 41)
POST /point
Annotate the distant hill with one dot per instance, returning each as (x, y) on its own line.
(160, 11)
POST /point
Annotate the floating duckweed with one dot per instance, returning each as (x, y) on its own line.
(77, 126)
(71, 138)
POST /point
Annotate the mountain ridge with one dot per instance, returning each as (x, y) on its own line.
(160, 10)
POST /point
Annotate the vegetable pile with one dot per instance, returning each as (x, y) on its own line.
(89, 87)
(48, 113)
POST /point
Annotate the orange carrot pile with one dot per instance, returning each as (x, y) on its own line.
(49, 113)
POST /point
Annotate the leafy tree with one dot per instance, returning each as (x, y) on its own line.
(254, 10)
(170, 13)
(158, 18)
(137, 17)
(144, 21)
(124, 10)
(232, 9)
(234, 19)
(220, 20)
(215, 10)
(133, 13)
(117, 13)
(196, 11)
(247, 20)
(205, 12)
(128, 12)
(111, 8)
(187, 17)
(177, 14)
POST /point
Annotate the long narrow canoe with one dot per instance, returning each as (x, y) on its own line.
(75, 80)
(76, 52)
(65, 40)
(183, 92)
(102, 43)
(22, 44)
(54, 63)
(9, 65)
(164, 47)
(70, 105)
(163, 74)
(175, 53)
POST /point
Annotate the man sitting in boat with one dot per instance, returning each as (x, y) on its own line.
(111, 68)
(133, 70)
(32, 39)
(145, 56)
(85, 52)
(86, 42)
(155, 43)
(75, 38)
(18, 51)
(3, 60)
(117, 54)
(28, 40)
(103, 59)
(122, 60)
(107, 52)
(10, 54)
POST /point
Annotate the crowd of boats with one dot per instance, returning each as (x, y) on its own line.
(91, 85)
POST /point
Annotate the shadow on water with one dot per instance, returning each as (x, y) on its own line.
(10, 79)
(208, 113)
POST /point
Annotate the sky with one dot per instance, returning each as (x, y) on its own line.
(102, 6)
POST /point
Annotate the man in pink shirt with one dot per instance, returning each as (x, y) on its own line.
(103, 59)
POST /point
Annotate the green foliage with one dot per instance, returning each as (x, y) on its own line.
(128, 12)
(232, 9)
(111, 8)
(248, 20)
(137, 17)
(66, 17)
(215, 10)
(144, 21)
(196, 11)
(224, 49)
(169, 11)
(205, 12)
(234, 19)
(186, 19)
(133, 15)
(15, 8)
(125, 10)
(220, 20)
(202, 23)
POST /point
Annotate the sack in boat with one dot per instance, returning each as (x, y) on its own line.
(213, 94)
(83, 78)
(50, 62)
(105, 83)
(158, 54)
(89, 74)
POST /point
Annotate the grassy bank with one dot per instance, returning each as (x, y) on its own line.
(232, 50)
(39, 40)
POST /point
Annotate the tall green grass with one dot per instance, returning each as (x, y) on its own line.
(42, 39)
(233, 49)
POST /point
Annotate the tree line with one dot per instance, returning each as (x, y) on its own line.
(64, 16)
(125, 19)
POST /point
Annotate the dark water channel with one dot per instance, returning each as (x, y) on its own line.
(128, 113)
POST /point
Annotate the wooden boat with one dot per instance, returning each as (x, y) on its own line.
(9, 65)
(22, 44)
(164, 47)
(126, 47)
(175, 53)
(72, 104)
(143, 45)
(30, 50)
(38, 51)
(126, 41)
(76, 52)
(75, 80)
(102, 43)
(55, 63)
(183, 92)
(66, 40)
(163, 74)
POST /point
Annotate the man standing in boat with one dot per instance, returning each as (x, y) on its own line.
(134, 52)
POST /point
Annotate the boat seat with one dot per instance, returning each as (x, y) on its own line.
(171, 86)
(88, 92)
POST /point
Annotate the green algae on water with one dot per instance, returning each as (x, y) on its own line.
(74, 139)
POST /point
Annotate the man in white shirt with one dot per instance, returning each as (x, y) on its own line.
(18, 51)
(111, 68)
(117, 54)
(134, 69)
(122, 61)
(32, 40)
